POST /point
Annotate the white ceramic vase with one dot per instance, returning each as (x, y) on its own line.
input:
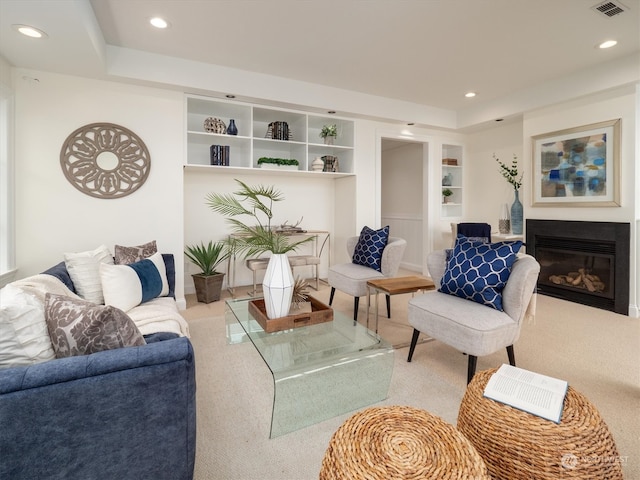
(278, 286)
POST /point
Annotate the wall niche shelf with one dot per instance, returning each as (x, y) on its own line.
(452, 168)
(255, 139)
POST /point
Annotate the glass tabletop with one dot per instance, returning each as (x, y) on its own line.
(306, 346)
(319, 371)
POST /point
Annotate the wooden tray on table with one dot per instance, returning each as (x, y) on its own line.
(320, 313)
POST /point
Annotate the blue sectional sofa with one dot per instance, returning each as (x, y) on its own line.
(128, 413)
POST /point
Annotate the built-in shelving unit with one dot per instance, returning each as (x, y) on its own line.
(453, 206)
(253, 140)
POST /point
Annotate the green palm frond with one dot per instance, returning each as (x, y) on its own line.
(255, 202)
(208, 257)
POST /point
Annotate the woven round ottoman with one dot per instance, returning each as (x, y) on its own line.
(396, 442)
(517, 445)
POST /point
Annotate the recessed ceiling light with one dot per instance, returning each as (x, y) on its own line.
(230, 96)
(499, 119)
(331, 112)
(159, 22)
(470, 94)
(30, 31)
(608, 44)
(410, 124)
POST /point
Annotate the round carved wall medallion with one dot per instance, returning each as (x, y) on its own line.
(105, 160)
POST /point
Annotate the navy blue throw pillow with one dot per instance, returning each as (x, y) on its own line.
(368, 251)
(479, 272)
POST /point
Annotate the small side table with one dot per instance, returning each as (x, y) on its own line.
(396, 286)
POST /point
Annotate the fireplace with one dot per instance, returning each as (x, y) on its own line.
(583, 262)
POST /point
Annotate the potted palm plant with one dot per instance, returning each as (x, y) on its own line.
(249, 240)
(208, 282)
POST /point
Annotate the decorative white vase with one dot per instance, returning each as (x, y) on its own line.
(278, 286)
(317, 165)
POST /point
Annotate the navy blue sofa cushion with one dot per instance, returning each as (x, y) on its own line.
(128, 413)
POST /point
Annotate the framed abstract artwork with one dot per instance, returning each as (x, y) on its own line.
(577, 167)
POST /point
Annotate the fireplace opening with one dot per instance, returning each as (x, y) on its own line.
(583, 262)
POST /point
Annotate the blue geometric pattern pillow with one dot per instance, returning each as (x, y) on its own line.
(479, 272)
(368, 251)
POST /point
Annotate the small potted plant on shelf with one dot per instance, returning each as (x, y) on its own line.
(208, 282)
(278, 163)
(329, 133)
(446, 193)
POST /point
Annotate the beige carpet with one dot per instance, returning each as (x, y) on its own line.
(596, 351)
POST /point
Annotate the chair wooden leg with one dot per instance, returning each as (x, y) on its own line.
(333, 291)
(356, 302)
(414, 340)
(471, 369)
(512, 357)
(388, 306)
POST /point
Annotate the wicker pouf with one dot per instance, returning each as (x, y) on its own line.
(516, 445)
(398, 442)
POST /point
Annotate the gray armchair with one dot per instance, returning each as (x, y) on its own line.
(352, 279)
(471, 327)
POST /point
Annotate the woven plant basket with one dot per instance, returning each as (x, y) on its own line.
(518, 445)
(397, 442)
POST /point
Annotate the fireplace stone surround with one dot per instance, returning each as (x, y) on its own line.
(582, 261)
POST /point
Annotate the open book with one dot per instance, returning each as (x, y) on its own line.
(528, 391)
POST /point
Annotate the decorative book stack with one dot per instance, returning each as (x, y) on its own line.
(219, 155)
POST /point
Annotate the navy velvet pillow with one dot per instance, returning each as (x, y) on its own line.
(368, 251)
(479, 272)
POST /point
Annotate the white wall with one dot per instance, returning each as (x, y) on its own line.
(54, 217)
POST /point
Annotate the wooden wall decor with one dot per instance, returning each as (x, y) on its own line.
(105, 160)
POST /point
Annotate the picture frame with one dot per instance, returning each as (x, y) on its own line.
(577, 167)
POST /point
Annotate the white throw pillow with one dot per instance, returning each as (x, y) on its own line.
(84, 270)
(126, 286)
(24, 338)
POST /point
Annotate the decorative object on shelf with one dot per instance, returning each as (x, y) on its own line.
(317, 165)
(232, 129)
(220, 155)
(578, 167)
(104, 160)
(278, 131)
(330, 163)
(452, 162)
(504, 222)
(446, 180)
(259, 238)
(283, 163)
(446, 193)
(329, 133)
(208, 282)
(510, 173)
(215, 125)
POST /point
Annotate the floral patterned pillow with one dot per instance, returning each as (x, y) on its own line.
(78, 327)
(128, 255)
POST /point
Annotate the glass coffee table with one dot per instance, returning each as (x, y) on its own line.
(319, 371)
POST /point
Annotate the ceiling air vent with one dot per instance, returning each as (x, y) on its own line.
(610, 9)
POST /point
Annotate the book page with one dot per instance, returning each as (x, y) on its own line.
(528, 391)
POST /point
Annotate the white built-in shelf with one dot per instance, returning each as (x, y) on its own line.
(252, 121)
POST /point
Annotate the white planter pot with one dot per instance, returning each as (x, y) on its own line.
(278, 286)
(275, 166)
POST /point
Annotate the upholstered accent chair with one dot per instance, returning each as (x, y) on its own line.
(351, 278)
(473, 328)
(479, 231)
